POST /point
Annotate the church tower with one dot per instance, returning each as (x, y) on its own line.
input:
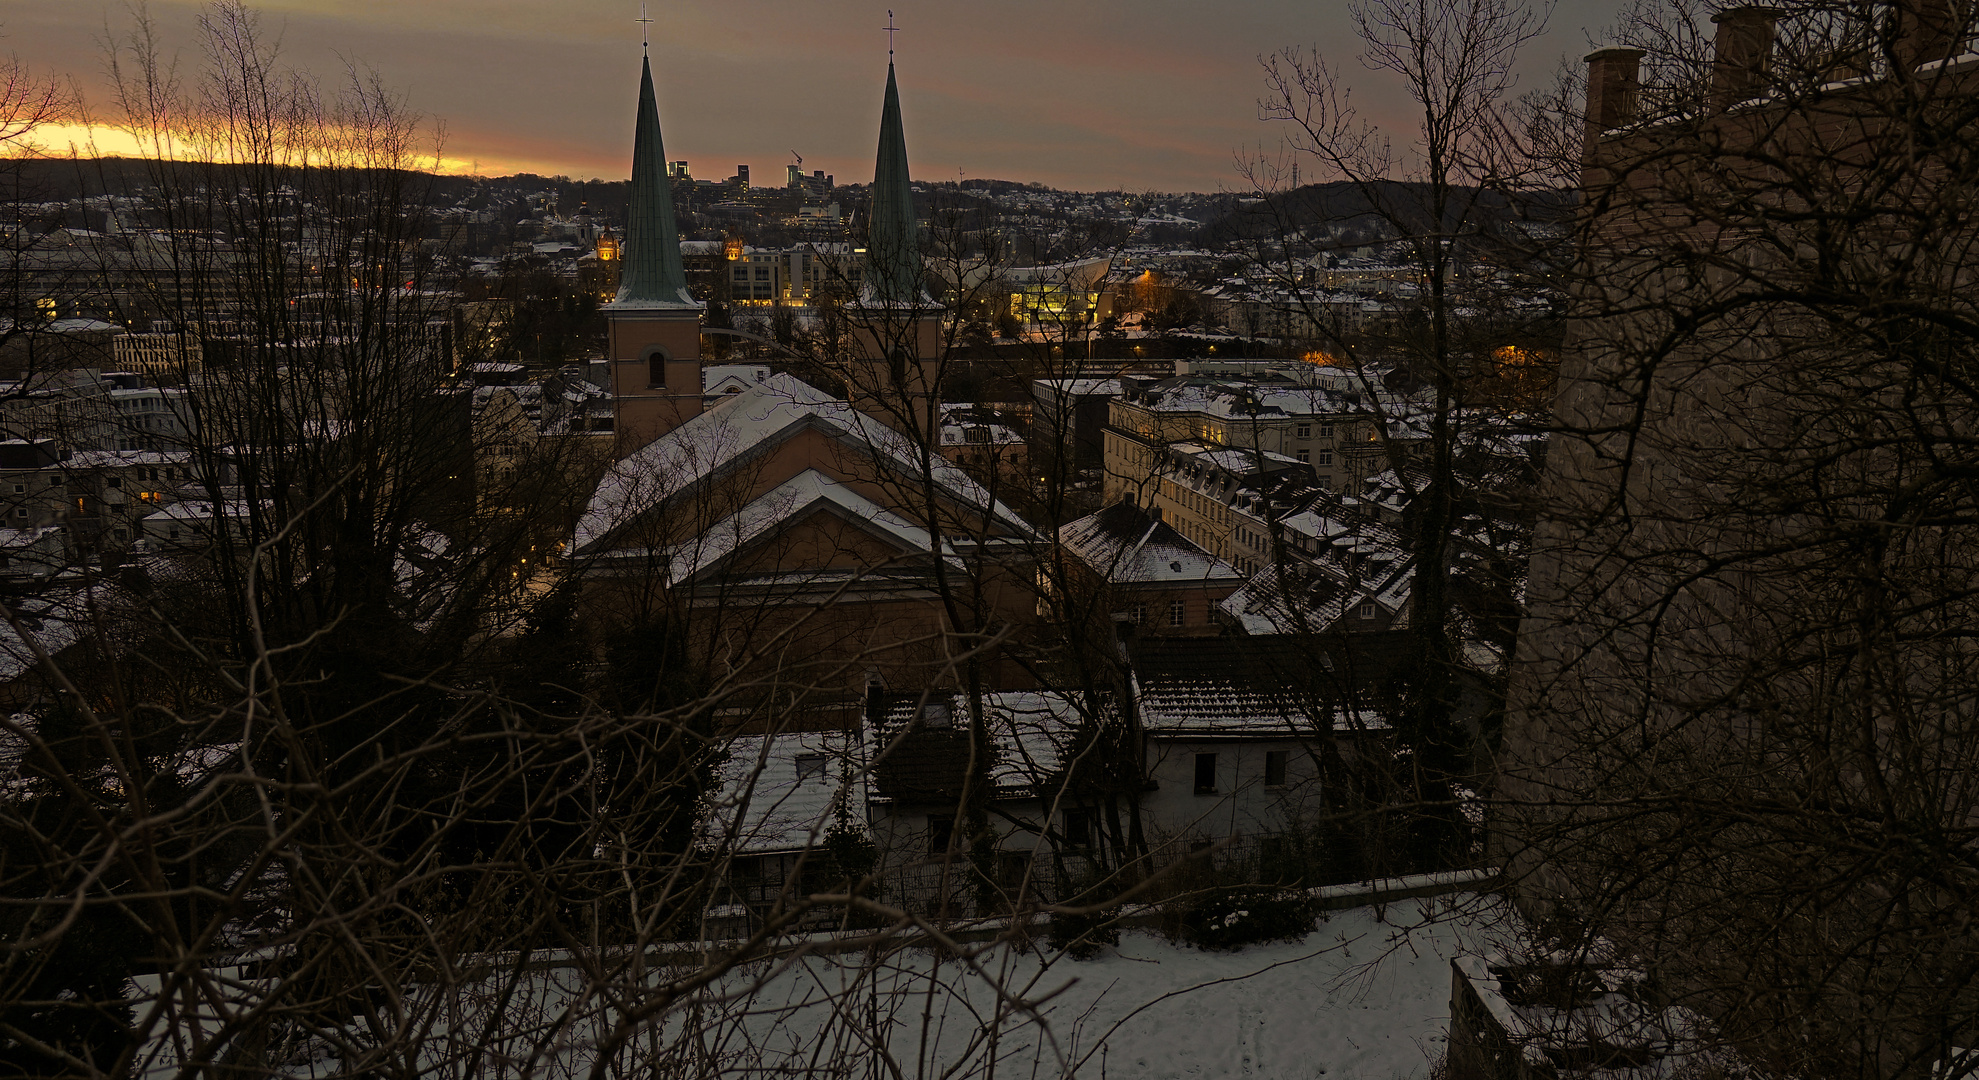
(897, 328)
(655, 325)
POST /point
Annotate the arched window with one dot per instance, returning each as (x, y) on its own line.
(656, 367)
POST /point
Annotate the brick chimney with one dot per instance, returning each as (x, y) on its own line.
(1613, 76)
(1743, 53)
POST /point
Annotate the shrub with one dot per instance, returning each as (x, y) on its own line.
(1082, 936)
(1233, 918)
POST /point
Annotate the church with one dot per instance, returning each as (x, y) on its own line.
(813, 546)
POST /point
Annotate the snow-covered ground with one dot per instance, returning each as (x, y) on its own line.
(1365, 997)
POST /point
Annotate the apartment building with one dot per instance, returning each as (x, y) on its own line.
(1315, 419)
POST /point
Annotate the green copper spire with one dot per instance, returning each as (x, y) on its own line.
(652, 274)
(893, 248)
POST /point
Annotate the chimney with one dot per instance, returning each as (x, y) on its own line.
(1743, 54)
(1926, 30)
(1613, 75)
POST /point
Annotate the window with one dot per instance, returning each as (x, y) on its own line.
(1274, 767)
(1367, 611)
(21, 513)
(810, 766)
(1326, 431)
(937, 714)
(20, 489)
(1304, 431)
(1140, 611)
(1205, 774)
(656, 368)
(1304, 455)
(941, 830)
(1077, 828)
(114, 483)
(1178, 613)
(1325, 457)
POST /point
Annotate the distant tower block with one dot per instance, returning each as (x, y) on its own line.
(655, 325)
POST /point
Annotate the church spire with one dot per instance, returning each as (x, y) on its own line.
(652, 274)
(893, 250)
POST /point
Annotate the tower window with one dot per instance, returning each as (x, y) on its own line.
(656, 368)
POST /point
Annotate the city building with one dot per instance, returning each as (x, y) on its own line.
(1316, 419)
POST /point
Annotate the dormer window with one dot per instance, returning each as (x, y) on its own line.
(937, 714)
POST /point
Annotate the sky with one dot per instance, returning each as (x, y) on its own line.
(1078, 94)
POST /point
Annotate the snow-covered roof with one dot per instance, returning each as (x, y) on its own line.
(114, 459)
(1126, 545)
(719, 378)
(53, 630)
(1238, 686)
(802, 494)
(1028, 731)
(1240, 461)
(737, 429)
(971, 434)
(1082, 387)
(781, 792)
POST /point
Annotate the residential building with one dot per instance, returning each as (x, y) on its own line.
(1318, 419)
(978, 440)
(1127, 563)
(1069, 418)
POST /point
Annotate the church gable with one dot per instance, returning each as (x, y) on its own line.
(824, 538)
(752, 443)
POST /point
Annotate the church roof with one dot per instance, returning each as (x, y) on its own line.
(893, 245)
(799, 496)
(745, 427)
(651, 274)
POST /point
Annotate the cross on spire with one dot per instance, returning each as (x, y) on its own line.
(890, 31)
(645, 41)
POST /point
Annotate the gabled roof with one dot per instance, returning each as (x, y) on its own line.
(918, 763)
(783, 792)
(743, 427)
(1317, 599)
(807, 492)
(1126, 545)
(1237, 686)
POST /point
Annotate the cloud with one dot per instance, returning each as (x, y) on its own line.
(1082, 93)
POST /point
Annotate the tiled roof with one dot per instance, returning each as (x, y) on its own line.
(1238, 685)
(1125, 544)
(921, 764)
(764, 803)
